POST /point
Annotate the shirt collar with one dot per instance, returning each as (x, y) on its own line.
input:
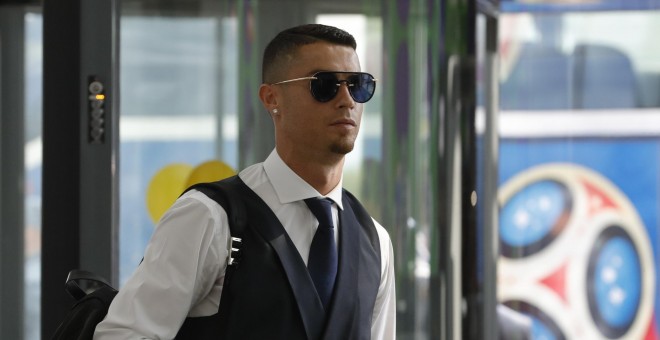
(289, 187)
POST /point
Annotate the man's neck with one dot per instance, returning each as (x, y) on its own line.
(321, 175)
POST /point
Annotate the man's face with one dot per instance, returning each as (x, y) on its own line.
(306, 126)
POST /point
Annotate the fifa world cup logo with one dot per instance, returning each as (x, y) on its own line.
(575, 256)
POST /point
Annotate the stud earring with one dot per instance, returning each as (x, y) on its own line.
(275, 111)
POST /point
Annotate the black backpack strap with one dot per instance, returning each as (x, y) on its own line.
(226, 193)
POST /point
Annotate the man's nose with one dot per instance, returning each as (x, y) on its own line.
(344, 94)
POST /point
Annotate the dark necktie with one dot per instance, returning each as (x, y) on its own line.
(322, 262)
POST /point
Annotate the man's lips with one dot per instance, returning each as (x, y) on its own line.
(344, 121)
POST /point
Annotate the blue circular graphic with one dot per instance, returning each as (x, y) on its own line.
(543, 326)
(614, 282)
(541, 331)
(533, 217)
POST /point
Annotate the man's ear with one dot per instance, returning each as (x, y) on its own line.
(268, 97)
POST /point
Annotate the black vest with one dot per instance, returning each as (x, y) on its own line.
(270, 295)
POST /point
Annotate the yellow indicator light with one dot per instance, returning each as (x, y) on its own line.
(100, 97)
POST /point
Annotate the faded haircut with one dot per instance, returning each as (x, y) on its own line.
(283, 47)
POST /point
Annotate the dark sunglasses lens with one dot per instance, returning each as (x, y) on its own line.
(324, 87)
(363, 87)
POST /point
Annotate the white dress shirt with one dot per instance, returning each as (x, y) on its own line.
(184, 263)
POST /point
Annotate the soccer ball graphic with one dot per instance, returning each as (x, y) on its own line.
(574, 256)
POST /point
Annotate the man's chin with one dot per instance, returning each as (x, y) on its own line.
(342, 148)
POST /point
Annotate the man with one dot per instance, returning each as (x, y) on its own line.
(314, 92)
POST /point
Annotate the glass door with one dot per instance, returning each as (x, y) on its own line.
(184, 75)
(179, 99)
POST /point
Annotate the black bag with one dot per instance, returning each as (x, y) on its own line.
(94, 294)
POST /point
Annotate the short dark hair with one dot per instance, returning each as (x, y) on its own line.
(288, 41)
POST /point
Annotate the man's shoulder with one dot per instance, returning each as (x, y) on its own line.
(254, 175)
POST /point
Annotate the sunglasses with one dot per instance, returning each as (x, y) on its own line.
(325, 85)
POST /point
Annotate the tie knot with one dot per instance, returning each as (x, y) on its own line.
(322, 209)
